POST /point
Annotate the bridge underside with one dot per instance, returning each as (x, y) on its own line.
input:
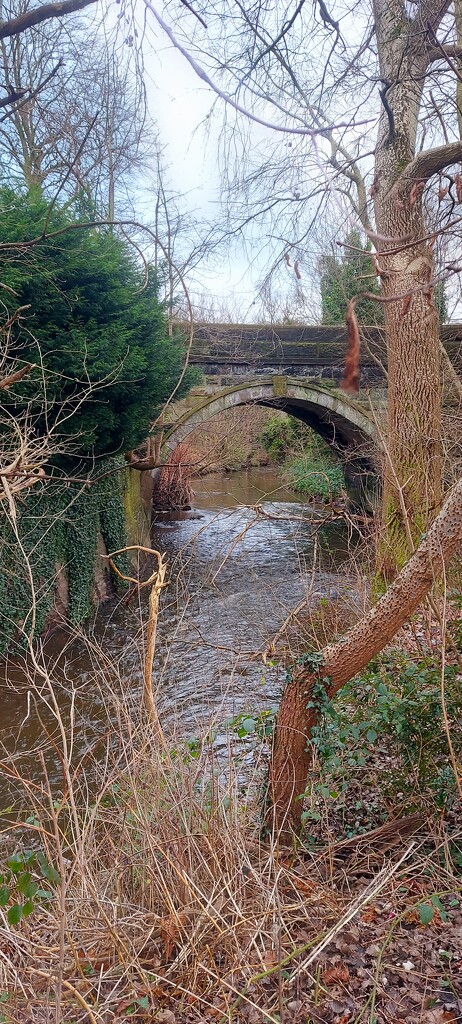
(342, 422)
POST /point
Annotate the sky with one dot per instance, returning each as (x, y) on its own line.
(179, 104)
(189, 117)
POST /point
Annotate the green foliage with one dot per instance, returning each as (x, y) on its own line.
(441, 302)
(426, 911)
(315, 473)
(342, 278)
(21, 884)
(279, 435)
(391, 722)
(58, 525)
(258, 724)
(93, 323)
(315, 476)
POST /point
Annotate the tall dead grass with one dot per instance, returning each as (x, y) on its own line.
(170, 901)
(166, 892)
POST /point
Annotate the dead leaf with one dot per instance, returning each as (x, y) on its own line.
(370, 914)
(166, 1017)
(270, 958)
(170, 932)
(350, 380)
(336, 973)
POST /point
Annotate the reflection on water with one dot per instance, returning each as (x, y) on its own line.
(237, 564)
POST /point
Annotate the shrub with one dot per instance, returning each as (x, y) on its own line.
(315, 478)
(92, 324)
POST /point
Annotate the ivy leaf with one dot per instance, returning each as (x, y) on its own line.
(248, 726)
(23, 881)
(426, 913)
(16, 863)
(14, 914)
(48, 871)
(44, 894)
(4, 895)
(29, 890)
(435, 900)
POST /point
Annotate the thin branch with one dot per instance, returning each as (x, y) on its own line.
(310, 132)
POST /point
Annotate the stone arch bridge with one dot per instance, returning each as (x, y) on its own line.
(348, 425)
(297, 369)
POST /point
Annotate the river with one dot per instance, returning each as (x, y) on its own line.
(237, 564)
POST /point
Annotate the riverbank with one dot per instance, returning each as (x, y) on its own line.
(161, 899)
(160, 894)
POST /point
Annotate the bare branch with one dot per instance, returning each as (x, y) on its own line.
(429, 162)
(6, 382)
(230, 101)
(39, 14)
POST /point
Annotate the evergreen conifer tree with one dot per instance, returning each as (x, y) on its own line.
(92, 323)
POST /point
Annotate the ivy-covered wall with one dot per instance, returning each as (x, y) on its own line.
(57, 529)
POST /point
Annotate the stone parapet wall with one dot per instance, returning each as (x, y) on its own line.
(239, 349)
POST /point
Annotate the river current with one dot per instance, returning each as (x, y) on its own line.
(237, 564)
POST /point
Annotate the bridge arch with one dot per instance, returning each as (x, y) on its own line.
(342, 422)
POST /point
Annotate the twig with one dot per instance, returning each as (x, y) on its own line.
(156, 582)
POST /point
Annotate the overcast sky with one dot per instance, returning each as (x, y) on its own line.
(179, 103)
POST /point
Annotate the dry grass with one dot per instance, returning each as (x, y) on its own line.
(166, 891)
(170, 900)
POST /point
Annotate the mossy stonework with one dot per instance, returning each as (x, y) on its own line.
(343, 423)
(49, 568)
(137, 492)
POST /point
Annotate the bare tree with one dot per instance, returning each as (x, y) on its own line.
(354, 106)
(79, 122)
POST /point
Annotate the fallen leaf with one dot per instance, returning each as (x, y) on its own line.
(370, 914)
(337, 972)
(170, 932)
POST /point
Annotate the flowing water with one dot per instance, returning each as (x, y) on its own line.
(237, 564)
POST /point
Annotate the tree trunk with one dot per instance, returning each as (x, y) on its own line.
(412, 476)
(412, 485)
(292, 753)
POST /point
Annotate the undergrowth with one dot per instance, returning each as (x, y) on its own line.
(389, 726)
(148, 893)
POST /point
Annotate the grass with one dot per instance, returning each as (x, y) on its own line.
(315, 479)
(165, 891)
